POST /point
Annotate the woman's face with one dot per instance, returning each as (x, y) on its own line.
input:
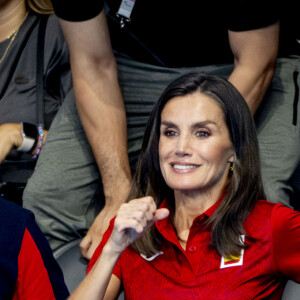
(194, 145)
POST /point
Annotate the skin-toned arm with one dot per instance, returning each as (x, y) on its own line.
(11, 137)
(132, 220)
(255, 53)
(102, 113)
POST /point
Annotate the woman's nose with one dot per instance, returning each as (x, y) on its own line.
(183, 146)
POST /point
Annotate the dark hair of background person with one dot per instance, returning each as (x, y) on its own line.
(245, 184)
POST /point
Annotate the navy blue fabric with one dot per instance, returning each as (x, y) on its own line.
(13, 222)
(12, 226)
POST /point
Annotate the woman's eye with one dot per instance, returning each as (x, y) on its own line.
(202, 133)
(170, 133)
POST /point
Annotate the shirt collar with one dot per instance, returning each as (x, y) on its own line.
(208, 213)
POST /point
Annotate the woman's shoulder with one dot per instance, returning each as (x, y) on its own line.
(264, 203)
(55, 43)
(53, 20)
(266, 212)
(260, 215)
(53, 26)
(270, 207)
(263, 207)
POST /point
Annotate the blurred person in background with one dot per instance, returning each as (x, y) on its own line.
(35, 79)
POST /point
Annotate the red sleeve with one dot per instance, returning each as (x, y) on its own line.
(286, 238)
(33, 281)
(98, 251)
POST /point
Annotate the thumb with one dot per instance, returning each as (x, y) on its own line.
(161, 214)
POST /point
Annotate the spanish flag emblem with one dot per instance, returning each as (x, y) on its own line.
(233, 261)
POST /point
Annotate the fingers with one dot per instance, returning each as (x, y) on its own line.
(141, 221)
(133, 227)
(141, 210)
(139, 215)
(85, 246)
(161, 214)
(89, 244)
(94, 235)
(132, 220)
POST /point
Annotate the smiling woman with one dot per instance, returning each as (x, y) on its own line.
(195, 225)
(229, 136)
(195, 146)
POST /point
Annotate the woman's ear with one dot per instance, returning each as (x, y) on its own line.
(231, 159)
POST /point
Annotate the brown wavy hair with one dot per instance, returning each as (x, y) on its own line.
(245, 184)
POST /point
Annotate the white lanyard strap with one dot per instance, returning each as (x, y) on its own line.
(125, 11)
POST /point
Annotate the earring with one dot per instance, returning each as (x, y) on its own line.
(231, 166)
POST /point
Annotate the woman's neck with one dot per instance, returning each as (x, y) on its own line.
(188, 206)
(11, 18)
(192, 203)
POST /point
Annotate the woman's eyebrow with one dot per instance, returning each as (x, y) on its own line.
(194, 125)
(203, 124)
(168, 124)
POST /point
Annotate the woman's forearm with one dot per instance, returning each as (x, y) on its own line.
(96, 282)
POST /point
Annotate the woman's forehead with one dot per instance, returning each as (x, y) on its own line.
(195, 106)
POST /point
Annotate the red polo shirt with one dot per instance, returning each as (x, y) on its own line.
(200, 272)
